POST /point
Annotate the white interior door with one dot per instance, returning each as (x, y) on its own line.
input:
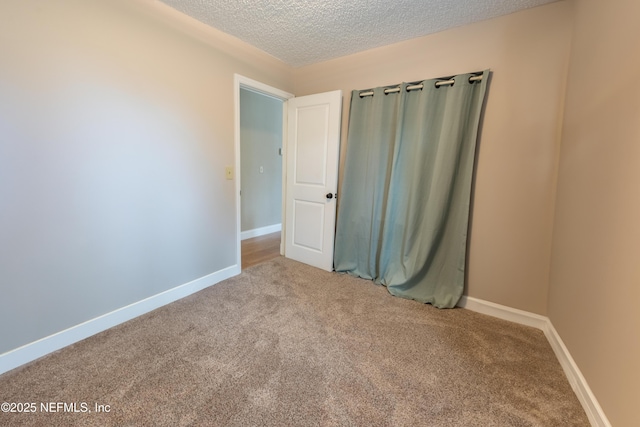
(313, 146)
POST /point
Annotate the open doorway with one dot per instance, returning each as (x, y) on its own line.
(259, 137)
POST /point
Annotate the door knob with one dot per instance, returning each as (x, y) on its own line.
(329, 196)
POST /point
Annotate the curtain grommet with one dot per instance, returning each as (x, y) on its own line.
(450, 82)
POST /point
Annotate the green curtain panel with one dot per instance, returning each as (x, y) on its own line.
(404, 202)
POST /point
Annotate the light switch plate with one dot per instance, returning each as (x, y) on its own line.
(229, 172)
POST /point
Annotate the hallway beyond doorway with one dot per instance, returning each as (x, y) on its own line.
(260, 249)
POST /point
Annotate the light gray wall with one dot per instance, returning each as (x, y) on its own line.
(260, 139)
(115, 130)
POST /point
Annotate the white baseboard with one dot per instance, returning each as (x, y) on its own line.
(589, 403)
(579, 384)
(260, 231)
(32, 351)
(503, 312)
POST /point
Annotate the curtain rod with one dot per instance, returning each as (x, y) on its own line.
(420, 86)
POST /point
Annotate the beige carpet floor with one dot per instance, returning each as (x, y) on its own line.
(284, 344)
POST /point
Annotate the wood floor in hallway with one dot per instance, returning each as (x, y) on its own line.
(260, 249)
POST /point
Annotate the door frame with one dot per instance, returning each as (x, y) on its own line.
(242, 82)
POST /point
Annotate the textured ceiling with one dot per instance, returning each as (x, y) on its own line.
(303, 32)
